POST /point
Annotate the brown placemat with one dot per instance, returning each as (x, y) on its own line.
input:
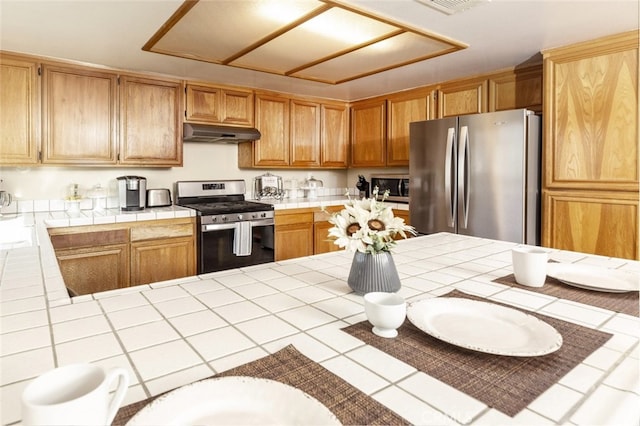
(508, 384)
(625, 303)
(350, 405)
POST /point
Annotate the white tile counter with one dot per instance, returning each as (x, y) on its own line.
(173, 333)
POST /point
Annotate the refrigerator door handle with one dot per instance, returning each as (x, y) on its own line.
(464, 185)
(450, 200)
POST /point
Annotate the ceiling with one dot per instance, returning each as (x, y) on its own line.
(317, 40)
(490, 36)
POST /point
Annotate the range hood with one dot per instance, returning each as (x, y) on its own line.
(220, 134)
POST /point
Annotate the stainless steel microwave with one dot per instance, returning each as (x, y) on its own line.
(398, 186)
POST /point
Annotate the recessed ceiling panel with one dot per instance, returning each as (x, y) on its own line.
(328, 34)
(391, 53)
(216, 30)
(320, 40)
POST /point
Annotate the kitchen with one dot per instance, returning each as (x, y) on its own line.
(51, 182)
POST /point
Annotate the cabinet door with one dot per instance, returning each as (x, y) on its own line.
(272, 119)
(237, 106)
(19, 111)
(469, 97)
(150, 122)
(403, 111)
(93, 269)
(334, 136)
(293, 234)
(591, 116)
(79, 121)
(203, 104)
(161, 260)
(368, 134)
(305, 133)
(215, 105)
(592, 222)
(516, 89)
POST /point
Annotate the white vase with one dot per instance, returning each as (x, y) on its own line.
(373, 272)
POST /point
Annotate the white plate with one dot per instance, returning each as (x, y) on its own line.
(594, 278)
(235, 400)
(484, 327)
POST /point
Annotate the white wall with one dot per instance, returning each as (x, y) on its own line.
(201, 161)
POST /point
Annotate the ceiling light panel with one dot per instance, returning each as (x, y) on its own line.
(319, 40)
(327, 35)
(400, 50)
(216, 30)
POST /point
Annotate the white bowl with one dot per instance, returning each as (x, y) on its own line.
(386, 312)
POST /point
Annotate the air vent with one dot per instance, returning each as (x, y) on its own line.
(452, 6)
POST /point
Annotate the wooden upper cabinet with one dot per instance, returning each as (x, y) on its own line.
(368, 133)
(19, 111)
(272, 119)
(462, 97)
(591, 114)
(150, 121)
(519, 88)
(334, 135)
(216, 105)
(305, 133)
(79, 116)
(402, 110)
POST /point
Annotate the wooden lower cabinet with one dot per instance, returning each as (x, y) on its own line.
(293, 233)
(322, 242)
(161, 260)
(592, 222)
(303, 232)
(93, 269)
(98, 258)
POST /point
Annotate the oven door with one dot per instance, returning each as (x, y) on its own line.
(216, 245)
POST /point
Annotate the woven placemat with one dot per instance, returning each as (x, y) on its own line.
(508, 384)
(625, 303)
(350, 405)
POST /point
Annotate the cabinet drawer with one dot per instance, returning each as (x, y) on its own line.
(288, 219)
(89, 239)
(162, 231)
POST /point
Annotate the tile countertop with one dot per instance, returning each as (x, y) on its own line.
(172, 333)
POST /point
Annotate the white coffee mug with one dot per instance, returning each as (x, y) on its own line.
(76, 394)
(530, 265)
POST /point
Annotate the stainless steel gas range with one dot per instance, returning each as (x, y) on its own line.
(232, 232)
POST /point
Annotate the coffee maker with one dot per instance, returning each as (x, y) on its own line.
(132, 192)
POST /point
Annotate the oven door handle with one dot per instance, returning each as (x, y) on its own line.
(232, 225)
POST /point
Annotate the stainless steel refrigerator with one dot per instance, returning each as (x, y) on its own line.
(477, 175)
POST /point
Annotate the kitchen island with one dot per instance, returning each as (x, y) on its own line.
(173, 333)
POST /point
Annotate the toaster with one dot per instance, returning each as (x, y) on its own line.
(158, 197)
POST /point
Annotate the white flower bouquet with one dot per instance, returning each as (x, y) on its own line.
(367, 225)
